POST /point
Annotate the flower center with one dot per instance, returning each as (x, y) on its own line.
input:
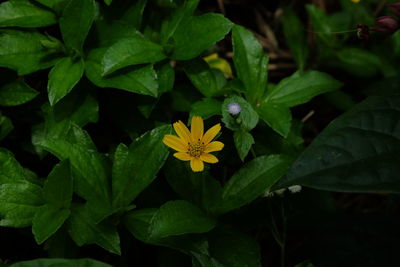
(196, 149)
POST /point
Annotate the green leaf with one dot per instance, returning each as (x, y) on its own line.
(246, 120)
(19, 201)
(305, 264)
(321, 25)
(179, 217)
(252, 180)
(198, 33)
(170, 24)
(16, 93)
(138, 223)
(141, 80)
(24, 52)
(278, 117)
(234, 249)
(88, 167)
(131, 51)
(357, 152)
(250, 62)
(47, 221)
(58, 186)
(199, 188)
(357, 61)
(206, 108)
(301, 87)
(207, 80)
(295, 37)
(108, 2)
(132, 171)
(84, 230)
(166, 78)
(22, 13)
(56, 5)
(60, 262)
(6, 126)
(75, 23)
(243, 142)
(63, 77)
(10, 170)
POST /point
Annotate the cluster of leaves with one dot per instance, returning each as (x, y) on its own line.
(66, 61)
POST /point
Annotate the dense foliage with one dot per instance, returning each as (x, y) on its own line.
(305, 171)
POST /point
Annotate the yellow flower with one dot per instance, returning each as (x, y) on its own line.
(194, 145)
(215, 62)
(355, 1)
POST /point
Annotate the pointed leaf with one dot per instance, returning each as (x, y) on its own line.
(278, 117)
(243, 142)
(16, 93)
(60, 262)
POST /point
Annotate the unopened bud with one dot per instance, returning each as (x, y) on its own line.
(386, 24)
(395, 8)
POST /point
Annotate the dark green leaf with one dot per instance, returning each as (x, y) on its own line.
(357, 61)
(301, 87)
(132, 171)
(246, 120)
(199, 188)
(84, 230)
(243, 142)
(305, 264)
(358, 152)
(10, 170)
(250, 63)
(278, 117)
(141, 80)
(166, 78)
(16, 93)
(206, 108)
(22, 13)
(131, 51)
(63, 77)
(60, 262)
(252, 180)
(47, 221)
(6, 126)
(177, 218)
(321, 25)
(134, 14)
(170, 24)
(207, 80)
(138, 223)
(295, 36)
(76, 21)
(24, 52)
(58, 186)
(198, 33)
(19, 201)
(56, 5)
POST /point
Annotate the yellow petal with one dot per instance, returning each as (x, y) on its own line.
(211, 133)
(182, 156)
(214, 146)
(208, 158)
(197, 128)
(197, 165)
(175, 142)
(182, 131)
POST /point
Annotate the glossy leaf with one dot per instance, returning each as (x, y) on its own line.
(301, 87)
(197, 33)
(357, 152)
(243, 142)
(252, 180)
(177, 218)
(19, 201)
(132, 171)
(278, 117)
(63, 77)
(206, 108)
(16, 93)
(60, 262)
(141, 80)
(84, 230)
(166, 78)
(59, 186)
(24, 52)
(250, 63)
(10, 170)
(47, 221)
(246, 120)
(207, 80)
(75, 23)
(131, 51)
(23, 13)
(56, 5)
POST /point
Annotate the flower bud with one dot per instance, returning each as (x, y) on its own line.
(395, 8)
(386, 24)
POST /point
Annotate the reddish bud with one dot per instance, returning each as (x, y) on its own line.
(395, 8)
(386, 24)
